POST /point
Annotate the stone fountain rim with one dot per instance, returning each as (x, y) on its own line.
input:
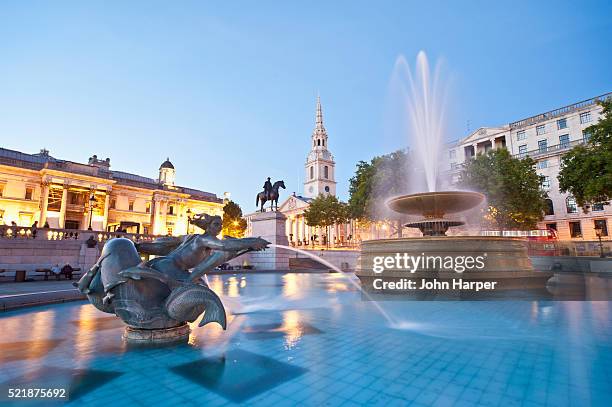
(447, 238)
(391, 200)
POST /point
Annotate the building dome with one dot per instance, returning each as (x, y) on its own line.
(166, 164)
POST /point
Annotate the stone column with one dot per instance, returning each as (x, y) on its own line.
(44, 196)
(106, 204)
(270, 226)
(62, 215)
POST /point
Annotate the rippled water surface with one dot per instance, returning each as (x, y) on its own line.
(310, 339)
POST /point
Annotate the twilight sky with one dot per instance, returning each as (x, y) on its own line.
(227, 91)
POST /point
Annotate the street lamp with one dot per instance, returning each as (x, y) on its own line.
(188, 218)
(92, 200)
(598, 233)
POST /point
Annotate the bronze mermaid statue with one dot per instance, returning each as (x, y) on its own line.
(167, 291)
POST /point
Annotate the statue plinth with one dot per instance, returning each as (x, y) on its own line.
(271, 227)
(157, 336)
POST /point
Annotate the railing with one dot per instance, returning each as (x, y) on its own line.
(558, 112)
(549, 149)
(22, 232)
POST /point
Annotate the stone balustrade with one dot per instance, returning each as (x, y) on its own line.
(22, 232)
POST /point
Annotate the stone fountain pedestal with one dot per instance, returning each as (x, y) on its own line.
(271, 227)
(157, 336)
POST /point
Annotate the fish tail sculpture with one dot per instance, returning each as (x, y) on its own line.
(187, 303)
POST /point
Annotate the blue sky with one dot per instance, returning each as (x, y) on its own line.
(216, 87)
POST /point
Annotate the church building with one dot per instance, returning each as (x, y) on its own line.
(319, 179)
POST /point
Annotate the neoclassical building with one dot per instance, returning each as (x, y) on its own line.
(69, 195)
(545, 137)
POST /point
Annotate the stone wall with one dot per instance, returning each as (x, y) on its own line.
(31, 254)
(342, 259)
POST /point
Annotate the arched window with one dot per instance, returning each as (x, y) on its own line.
(311, 172)
(323, 143)
(319, 142)
(570, 205)
(549, 209)
(326, 172)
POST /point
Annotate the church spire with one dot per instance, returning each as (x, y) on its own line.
(319, 117)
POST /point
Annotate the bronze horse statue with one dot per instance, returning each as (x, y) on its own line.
(274, 194)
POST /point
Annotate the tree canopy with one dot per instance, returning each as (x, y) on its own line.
(586, 170)
(324, 211)
(233, 223)
(374, 182)
(511, 185)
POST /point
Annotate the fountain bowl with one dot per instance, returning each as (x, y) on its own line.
(435, 204)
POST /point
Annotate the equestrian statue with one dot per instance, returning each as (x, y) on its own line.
(164, 293)
(270, 193)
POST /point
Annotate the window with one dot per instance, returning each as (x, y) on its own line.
(1, 189)
(598, 207)
(326, 172)
(170, 209)
(546, 182)
(570, 205)
(552, 226)
(520, 135)
(326, 188)
(542, 145)
(575, 230)
(586, 136)
(323, 143)
(523, 150)
(130, 205)
(585, 117)
(541, 129)
(601, 225)
(452, 154)
(549, 208)
(564, 141)
(311, 172)
(319, 142)
(561, 124)
(113, 203)
(542, 164)
(148, 208)
(29, 193)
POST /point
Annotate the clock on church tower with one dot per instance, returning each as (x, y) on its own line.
(320, 166)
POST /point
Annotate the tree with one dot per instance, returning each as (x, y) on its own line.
(374, 182)
(233, 223)
(586, 170)
(511, 185)
(325, 211)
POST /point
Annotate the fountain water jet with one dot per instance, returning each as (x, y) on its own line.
(506, 259)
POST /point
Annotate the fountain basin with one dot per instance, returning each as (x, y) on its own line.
(435, 204)
(506, 262)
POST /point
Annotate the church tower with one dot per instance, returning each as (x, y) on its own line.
(320, 165)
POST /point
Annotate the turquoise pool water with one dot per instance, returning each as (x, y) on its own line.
(309, 339)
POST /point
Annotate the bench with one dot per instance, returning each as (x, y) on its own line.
(76, 272)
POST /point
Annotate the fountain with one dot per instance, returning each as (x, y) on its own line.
(500, 262)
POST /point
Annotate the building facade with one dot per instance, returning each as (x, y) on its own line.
(545, 137)
(69, 195)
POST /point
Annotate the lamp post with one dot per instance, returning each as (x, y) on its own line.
(92, 200)
(598, 233)
(188, 218)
